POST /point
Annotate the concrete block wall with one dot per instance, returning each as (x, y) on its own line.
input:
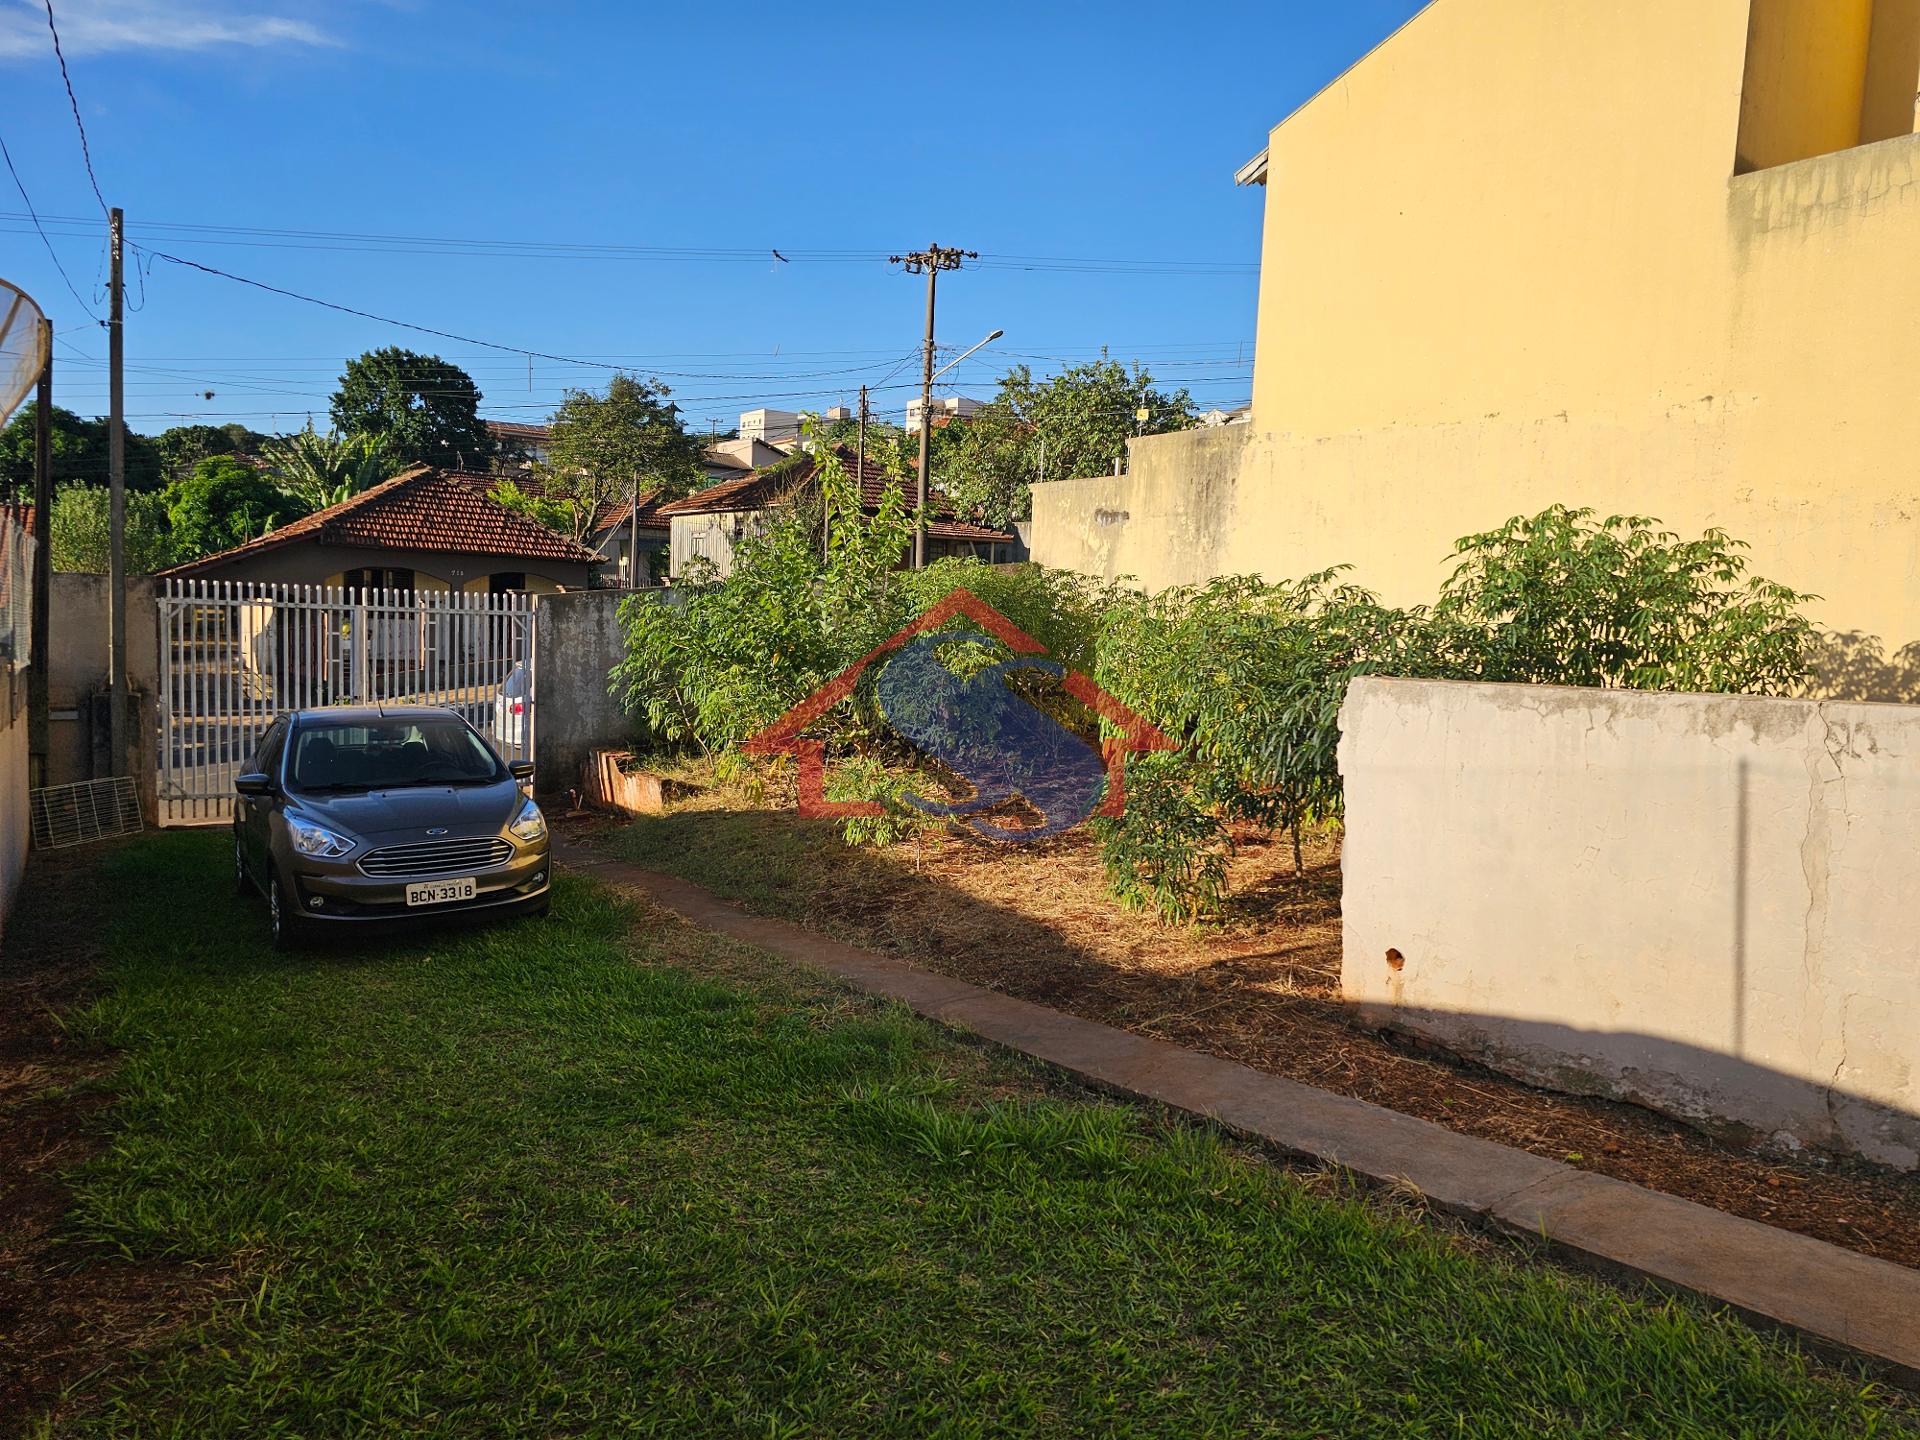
(578, 643)
(1705, 904)
(77, 678)
(1170, 520)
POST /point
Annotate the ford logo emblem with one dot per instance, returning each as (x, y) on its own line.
(438, 830)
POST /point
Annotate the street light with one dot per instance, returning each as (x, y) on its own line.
(926, 435)
(968, 351)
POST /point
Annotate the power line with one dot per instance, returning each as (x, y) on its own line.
(86, 152)
(267, 237)
(369, 315)
(19, 185)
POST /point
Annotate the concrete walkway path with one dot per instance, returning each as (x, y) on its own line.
(1839, 1302)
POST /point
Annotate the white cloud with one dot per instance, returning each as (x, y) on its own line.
(97, 27)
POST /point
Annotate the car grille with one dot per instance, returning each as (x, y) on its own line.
(436, 857)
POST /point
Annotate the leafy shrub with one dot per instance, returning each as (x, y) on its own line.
(1251, 675)
(82, 537)
(864, 778)
(1248, 675)
(1168, 852)
(723, 658)
(720, 659)
(1559, 598)
(224, 502)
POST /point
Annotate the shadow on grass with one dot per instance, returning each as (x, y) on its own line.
(1267, 996)
(544, 1179)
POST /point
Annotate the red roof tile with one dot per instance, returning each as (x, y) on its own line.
(762, 488)
(423, 509)
(614, 512)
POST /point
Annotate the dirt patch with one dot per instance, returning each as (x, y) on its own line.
(66, 1311)
(1261, 988)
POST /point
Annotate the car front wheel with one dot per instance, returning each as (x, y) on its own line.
(285, 921)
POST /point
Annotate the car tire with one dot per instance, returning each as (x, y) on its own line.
(542, 910)
(287, 929)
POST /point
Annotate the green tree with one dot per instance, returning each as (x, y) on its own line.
(557, 512)
(605, 446)
(224, 502)
(423, 408)
(1074, 423)
(79, 453)
(322, 470)
(242, 440)
(184, 446)
(78, 530)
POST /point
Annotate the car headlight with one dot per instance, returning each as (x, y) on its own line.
(311, 839)
(529, 824)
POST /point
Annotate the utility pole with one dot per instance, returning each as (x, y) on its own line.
(932, 260)
(40, 617)
(117, 503)
(633, 534)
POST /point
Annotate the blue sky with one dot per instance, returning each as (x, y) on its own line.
(836, 134)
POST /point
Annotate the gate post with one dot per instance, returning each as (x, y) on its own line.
(532, 632)
(357, 656)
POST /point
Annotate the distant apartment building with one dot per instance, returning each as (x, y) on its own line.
(521, 444)
(770, 427)
(783, 427)
(946, 409)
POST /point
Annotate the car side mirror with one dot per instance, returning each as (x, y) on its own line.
(520, 769)
(253, 783)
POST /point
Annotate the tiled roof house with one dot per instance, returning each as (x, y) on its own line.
(425, 529)
(711, 522)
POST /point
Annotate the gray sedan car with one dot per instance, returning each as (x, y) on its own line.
(347, 817)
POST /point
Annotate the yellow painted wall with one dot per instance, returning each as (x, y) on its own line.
(1805, 82)
(1893, 71)
(1506, 262)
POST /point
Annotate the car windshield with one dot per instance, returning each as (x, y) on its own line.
(390, 754)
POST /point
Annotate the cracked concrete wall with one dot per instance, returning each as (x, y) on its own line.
(1167, 521)
(1701, 903)
(580, 642)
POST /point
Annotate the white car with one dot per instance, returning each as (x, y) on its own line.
(511, 709)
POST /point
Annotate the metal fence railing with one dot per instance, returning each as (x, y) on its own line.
(234, 655)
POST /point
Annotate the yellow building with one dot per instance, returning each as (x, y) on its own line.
(1657, 257)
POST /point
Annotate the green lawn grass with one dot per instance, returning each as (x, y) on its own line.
(603, 1175)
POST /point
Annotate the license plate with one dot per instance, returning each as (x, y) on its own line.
(442, 892)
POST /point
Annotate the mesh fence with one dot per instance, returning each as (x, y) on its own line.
(16, 594)
(22, 350)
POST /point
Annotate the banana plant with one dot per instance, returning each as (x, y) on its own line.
(321, 470)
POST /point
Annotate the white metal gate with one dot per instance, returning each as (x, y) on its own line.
(234, 655)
